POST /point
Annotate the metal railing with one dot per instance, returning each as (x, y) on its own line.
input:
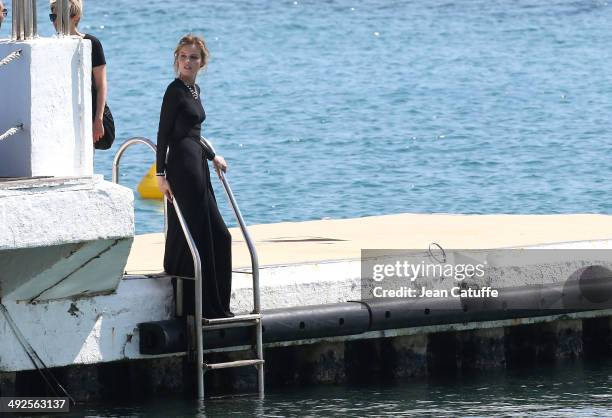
(62, 9)
(24, 20)
(245, 233)
(197, 263)
(115, 179)
(254, 272)
(123, 147)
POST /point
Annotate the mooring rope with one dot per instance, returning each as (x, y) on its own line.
(37, 362)
(10, 57)
(12, 131)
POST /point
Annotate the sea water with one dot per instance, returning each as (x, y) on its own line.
(577, 389)
(341, 109)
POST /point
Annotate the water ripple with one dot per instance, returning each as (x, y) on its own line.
(485, 95)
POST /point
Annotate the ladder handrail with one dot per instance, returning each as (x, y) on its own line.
(245, 233)
(117, 159)
(230, 195)
(254, 268)
(128, 143)
(198, 263)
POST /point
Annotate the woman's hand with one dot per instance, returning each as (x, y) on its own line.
(220, 164)
(164, 187)
(98, 130)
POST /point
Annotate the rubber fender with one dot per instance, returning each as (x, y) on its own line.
(588, 288)
(228, 337)
(392, 313)
(316, 321)
(515, 302)
(284, 324)
(297, 323)
(350, 318)
(162, 337)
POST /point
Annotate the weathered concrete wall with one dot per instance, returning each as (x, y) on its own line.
(382, 360)
(597, 337)
(85, 331)
(48, 90)
(48, 212)
(482, 349)
(527, 345)
(299, 285)
(7, 384)
(63, 237)
(409, 356)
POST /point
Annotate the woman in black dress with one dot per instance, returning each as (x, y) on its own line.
(182, 173)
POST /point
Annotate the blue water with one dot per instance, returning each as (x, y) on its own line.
(352, 108)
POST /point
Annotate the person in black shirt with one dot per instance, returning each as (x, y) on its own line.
(98, 66)
(183, 177)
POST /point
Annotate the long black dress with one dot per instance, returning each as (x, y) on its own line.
(184, 160)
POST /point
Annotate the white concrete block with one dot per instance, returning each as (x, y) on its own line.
(48, 273)
(48, 212)
(63, 238)
(48, 90)
(85, 331)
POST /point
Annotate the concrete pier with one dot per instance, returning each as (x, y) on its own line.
(317, 242)
(350, 362)
(408, 356)
(90, 340)
(482, 349)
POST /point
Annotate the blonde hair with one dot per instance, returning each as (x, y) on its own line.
(76, 8)
(191, 39)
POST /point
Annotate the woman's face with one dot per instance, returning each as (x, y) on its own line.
(189, 61)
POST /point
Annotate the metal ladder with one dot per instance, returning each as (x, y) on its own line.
(249, 320)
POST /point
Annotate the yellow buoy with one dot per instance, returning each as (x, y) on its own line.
(148, 185)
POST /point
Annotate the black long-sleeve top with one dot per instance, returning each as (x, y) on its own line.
(181, 117)
(97, 59)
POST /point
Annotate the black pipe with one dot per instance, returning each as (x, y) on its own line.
(163, 337)
(395, 313)
(304, 322)
(588, 289)
(286, 324)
